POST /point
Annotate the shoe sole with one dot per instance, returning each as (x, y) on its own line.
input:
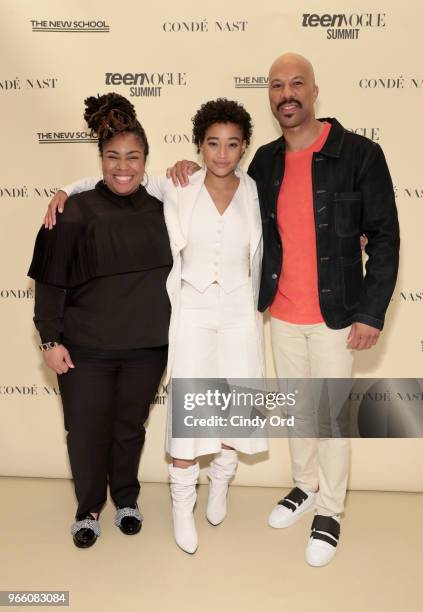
(214, 524)
(130, 532)
(80, 545)
(186, 551)
(320, 564)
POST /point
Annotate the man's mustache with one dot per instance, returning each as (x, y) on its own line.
(289, 101)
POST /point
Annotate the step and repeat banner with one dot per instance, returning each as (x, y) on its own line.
(168, 59)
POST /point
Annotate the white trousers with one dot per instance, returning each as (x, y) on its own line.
(316, 351)
(216, 338)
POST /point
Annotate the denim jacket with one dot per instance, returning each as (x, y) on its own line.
(352, 195)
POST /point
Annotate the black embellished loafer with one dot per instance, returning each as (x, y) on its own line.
(128, 519)
(85, 531)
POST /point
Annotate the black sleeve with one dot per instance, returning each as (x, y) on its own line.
(60, 256)
(48, 311)
(380, 224)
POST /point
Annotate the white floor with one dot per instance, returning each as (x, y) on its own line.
(242, 565)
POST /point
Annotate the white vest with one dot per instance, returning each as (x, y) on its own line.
(218, 248)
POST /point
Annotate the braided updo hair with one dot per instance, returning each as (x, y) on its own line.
(111, 114)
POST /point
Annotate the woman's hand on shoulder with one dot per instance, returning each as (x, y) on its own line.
(58, 359)
(181, 171)
(57, 203)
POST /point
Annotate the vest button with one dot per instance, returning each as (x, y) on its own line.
(274, 276)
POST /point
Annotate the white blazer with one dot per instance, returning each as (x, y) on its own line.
(178, 205)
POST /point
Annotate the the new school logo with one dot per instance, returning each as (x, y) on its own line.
(70, 26)
(65, 137)
(342, 25)
(251, 82)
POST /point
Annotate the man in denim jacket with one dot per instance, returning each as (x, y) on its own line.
(320, 188)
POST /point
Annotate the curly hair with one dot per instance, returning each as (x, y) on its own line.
(220, 111)
(111, 114)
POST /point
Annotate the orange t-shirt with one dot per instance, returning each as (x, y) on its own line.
(297, 298)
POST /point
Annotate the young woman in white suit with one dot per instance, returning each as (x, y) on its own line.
(215, 331)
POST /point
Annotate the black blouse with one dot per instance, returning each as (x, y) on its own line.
(101, 273)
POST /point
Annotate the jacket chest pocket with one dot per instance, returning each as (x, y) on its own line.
(347, 207)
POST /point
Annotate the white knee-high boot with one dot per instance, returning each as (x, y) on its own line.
(220, 471)
(184, 495)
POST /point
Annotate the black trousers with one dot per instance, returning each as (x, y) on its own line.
(105, 404)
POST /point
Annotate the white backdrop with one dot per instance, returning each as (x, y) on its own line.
(168, 59)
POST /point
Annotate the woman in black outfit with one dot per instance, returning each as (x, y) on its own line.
(102, 312)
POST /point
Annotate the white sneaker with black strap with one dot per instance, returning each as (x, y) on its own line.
(324, 538)
(289, 509)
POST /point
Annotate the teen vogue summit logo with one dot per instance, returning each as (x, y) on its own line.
(146, 84)
(372, 133)
(342, 25)
(69, 26)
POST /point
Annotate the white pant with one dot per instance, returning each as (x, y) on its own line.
(315, 351)
(216, 338)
